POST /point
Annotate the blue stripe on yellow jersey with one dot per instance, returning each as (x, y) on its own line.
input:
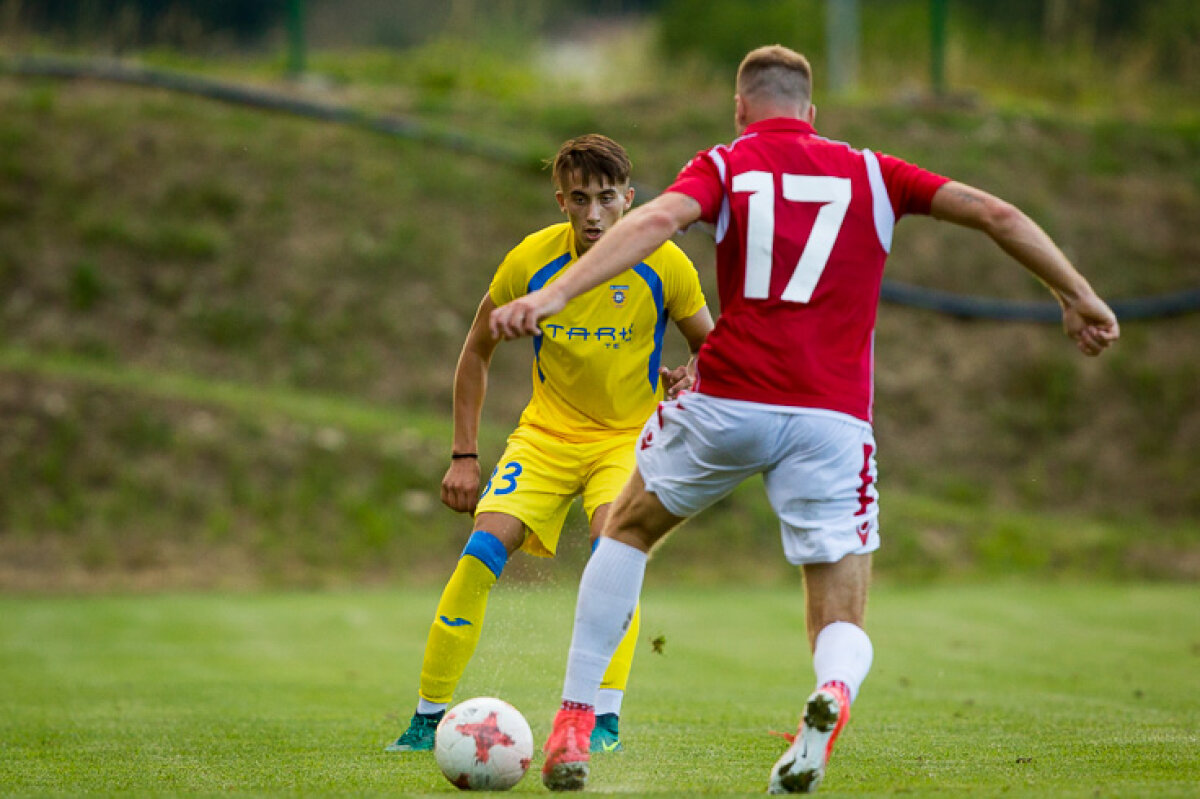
(539, 279)
(660, 326)
(595, 366)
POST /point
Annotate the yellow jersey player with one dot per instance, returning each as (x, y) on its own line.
(597, 377)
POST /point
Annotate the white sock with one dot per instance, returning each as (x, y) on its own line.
(608, 594)
(843, 653)
(608, 700)
(427, 708)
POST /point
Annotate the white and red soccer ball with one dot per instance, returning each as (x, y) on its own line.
(484, 744)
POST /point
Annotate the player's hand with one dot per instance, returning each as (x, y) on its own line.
(1091, 324)
(676, 381)
(521, 316)
(460, 486)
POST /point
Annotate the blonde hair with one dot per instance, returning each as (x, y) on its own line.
(773, 74)
(595, 157)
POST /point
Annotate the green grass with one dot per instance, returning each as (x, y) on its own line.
(1083, 690)
(305, 407)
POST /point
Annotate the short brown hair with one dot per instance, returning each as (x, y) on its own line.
(594, 157)
(775, 72)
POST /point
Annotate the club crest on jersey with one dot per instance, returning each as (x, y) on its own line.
(618, 295)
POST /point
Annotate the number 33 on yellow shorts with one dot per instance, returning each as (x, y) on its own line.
(540, 474)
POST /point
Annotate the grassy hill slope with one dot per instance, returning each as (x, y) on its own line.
(227, 337)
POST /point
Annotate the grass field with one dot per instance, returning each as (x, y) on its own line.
(1024, 690)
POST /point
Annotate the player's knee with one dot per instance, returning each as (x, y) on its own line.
(488, 550)
(642, 531)
(630, 537)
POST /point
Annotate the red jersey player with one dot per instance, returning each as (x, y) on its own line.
(783, 389)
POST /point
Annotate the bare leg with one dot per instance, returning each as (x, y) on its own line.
(638, 518)
(599, 519)
(836, 592)
(509, 529)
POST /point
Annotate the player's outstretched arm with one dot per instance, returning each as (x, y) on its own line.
(1086, 318)
(638, 234)
(460, 486)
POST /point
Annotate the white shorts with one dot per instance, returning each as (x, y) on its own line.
(818, 468)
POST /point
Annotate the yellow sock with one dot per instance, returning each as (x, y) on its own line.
(459, 618)
(616, 676)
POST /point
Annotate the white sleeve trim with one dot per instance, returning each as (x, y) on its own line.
(723, 216)
(881, 204)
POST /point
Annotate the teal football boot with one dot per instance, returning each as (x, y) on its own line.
(420, 735)
(605, 737)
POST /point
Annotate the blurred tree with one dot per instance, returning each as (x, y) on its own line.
(843, 36)
(1172, 27)
(1064, 22)
(144, 21)
(722, 31)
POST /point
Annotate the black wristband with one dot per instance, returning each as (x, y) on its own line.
(457, 456)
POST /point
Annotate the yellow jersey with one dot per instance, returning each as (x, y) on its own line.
(595, 366)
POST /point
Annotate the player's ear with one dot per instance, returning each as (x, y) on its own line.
(562, 200)
(811, 115)
(629, 198)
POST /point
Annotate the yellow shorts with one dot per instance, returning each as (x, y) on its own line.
(539, 475)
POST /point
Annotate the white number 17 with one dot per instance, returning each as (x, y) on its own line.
(834, 196)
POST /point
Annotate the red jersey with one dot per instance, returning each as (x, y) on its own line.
(803, 227)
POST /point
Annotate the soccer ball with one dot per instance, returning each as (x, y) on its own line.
(484, 744)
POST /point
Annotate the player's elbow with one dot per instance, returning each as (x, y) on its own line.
(668, 213)
(657, 222)
(970, 207)
(1001, 220)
